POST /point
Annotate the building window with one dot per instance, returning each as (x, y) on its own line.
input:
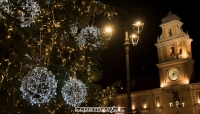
(144, 101)
(163, 55)
(157, 101)
(133, 83)
(133, 103)
(170, 32)
(171, 51)
(118, 103)
(198, 111)
(197, 96)
(197, 107)
(180, 51)
(178, 27)
(110, 104)
(178, 112)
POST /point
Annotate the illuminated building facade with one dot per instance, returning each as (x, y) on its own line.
(176, 95)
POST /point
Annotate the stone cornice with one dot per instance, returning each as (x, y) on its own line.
(195, 85)
(170, 63)
(175, 37)
(158, 109)
(185, 86)
(141, 93)
(145, 110)
(197, 106)
(171, 42)
(159, 90)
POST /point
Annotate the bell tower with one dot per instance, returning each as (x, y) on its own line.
(174, 53)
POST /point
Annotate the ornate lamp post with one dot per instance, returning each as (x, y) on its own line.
(176, 101)
(134, 40)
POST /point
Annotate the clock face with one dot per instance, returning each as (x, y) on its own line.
(173, 74)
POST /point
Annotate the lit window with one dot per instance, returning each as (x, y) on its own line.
(158, 101)
(163, 55)
(144, 101)
(171, 51)
(133, 103)
(170, 32)
(180, 51)
(197, 96)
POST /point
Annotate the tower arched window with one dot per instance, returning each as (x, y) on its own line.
(170, 32)
(180, 51)
(163, 55)
(171, 51)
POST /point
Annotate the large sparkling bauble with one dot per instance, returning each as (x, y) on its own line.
(5, 6)
(38, 86)
(74, 92)
(32, 9)
(90, 37)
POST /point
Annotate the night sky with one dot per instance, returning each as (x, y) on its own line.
(113, 62)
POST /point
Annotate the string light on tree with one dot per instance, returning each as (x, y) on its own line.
(59, 37)
(32, 9)
(88, 69)
(74, 92)
(1, 80)
(38, 86)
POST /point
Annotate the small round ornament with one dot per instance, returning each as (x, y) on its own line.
(90, 37)
(74, 92)
(73, 29)
(38, 86)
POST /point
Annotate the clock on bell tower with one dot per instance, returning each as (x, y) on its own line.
(174, 53)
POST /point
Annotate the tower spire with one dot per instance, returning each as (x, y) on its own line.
(170, 10)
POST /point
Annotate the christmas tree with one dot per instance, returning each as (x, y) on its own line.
(47, 48)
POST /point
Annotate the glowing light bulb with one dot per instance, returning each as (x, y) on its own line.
(108, 29)
(162, 85)
(186, 81)
(133, 107)
(138, 23)
(133, 36)
(198, 101)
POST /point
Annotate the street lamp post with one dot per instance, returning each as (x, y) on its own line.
(134, 40)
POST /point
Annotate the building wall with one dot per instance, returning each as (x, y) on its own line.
(188, 93)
